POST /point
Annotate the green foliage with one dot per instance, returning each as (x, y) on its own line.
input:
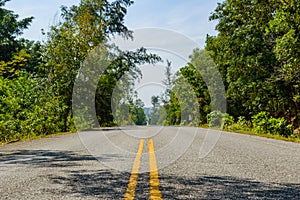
(26, 110)
(227, 120)
(216, 118)
(256, 51)
(83, 29)
(174, 111)
(260, 122)
(241, 125)
(189, 100)
(138, 116)
(257, 54)
(263, 123)
(10, 29)
(12, 68)
(28, 106)
(155, 110)
(201, 60)
(243, 53)
(168, 83)
(285, 27)
(14, 52)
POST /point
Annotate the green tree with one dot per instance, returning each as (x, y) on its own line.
(28, 104)
(257, 53)
(174, 111)
(192, 80)
(137, 113)
(28, 108)
(243, 52)
(10, 29)
(13, 53)
(201, 60)
(155, 101)
(286, 27)
(82, 29)
(155, 110)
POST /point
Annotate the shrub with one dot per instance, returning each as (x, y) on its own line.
(215, 118)
(263, 123)
(241, 124)
(228, 121)
(260, 122)
(28, 108)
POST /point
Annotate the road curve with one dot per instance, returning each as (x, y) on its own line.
(85, 166)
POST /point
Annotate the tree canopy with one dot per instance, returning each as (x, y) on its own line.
(257, 52)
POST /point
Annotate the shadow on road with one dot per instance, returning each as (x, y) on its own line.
(102, 184)
(111, 184)
(108, 184)
(217, 187)
(47, 158)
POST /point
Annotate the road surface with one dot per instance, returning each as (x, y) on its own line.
(83, 166)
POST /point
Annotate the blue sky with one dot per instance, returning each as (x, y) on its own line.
(189, 17)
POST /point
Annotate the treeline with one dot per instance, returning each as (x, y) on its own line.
(257, 53)
(36, 79)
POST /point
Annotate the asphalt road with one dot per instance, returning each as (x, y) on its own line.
(115, 163)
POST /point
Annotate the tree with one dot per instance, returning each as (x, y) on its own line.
(167, 83)
(155, 111)
(244, 55)
(29, 107)
(13, 54)
(10, 29)
(28, 104)
(200, 79)
(257, 53)
(125, 64)
(155, 101)
(174, 111)
(84, 28)
(285, 25)
(137, 113)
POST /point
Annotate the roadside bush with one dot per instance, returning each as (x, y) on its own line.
(27, 108)
(228, 121)
(263, 123)
(260, 122)
(215, 118)
(243, 123)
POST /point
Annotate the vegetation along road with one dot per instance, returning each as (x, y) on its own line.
(238, 167)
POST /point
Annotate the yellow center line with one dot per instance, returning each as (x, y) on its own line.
(154, 180)
(130, 192)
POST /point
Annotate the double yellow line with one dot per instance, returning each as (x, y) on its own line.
(154, 178)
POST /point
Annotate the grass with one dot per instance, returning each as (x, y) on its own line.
(296, 138)
(35, 137)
